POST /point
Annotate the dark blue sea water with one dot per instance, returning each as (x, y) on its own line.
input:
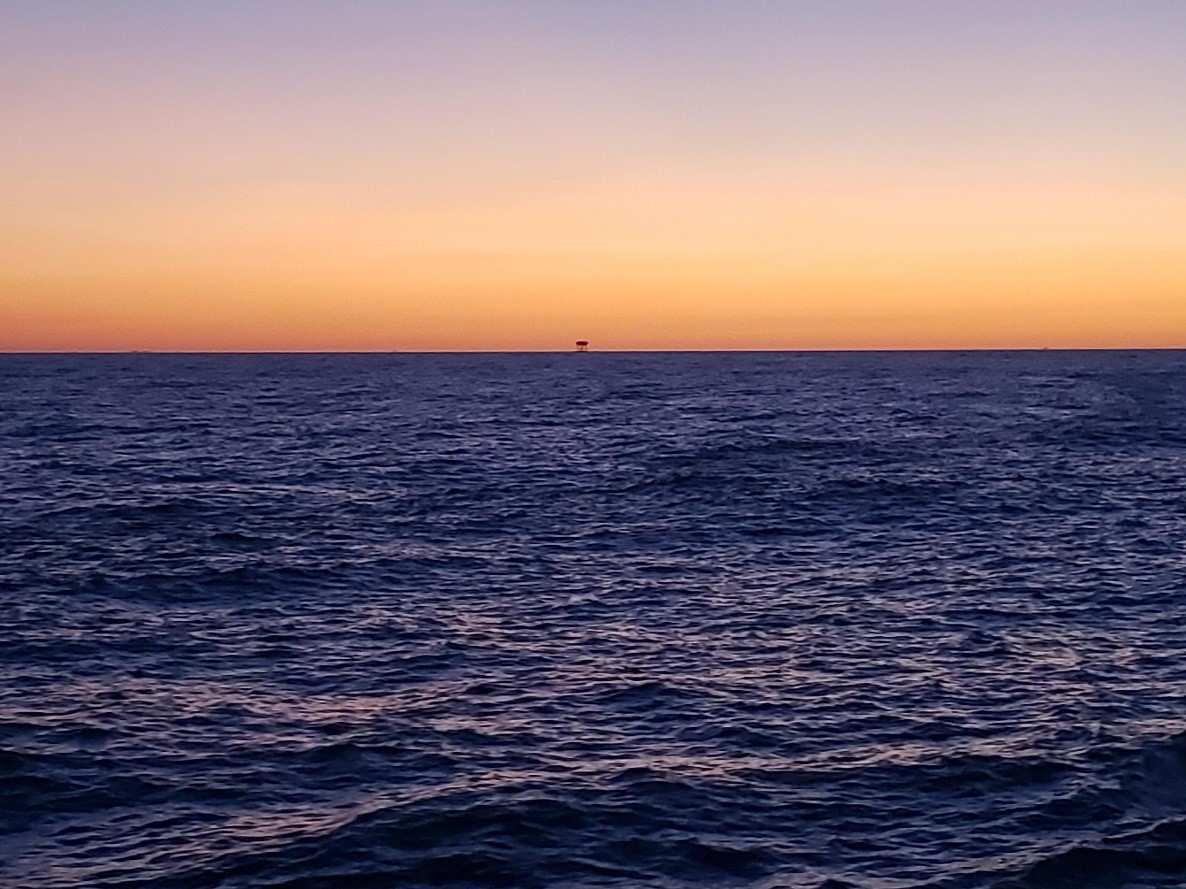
(606, 620)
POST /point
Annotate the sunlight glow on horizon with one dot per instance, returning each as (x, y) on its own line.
(516, 176)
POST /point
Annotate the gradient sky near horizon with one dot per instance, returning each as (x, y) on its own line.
(519, 174)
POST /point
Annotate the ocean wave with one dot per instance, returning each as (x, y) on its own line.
(809, 622)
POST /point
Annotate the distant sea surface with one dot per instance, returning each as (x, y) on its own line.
(880, 621)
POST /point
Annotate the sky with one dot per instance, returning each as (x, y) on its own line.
(438, 175)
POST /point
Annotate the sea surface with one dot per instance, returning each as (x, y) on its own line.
(873, 621)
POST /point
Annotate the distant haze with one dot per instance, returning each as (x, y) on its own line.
(521, 174)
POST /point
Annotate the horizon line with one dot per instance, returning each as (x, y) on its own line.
(856, 350)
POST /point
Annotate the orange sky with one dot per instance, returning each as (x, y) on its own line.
(149, 207)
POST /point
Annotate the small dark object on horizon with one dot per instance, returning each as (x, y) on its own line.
(582, 345)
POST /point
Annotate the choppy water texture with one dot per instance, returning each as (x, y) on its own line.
(877, 621)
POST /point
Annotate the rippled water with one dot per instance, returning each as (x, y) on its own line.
(801, 620)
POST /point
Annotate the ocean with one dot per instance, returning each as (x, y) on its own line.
(809, 620)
